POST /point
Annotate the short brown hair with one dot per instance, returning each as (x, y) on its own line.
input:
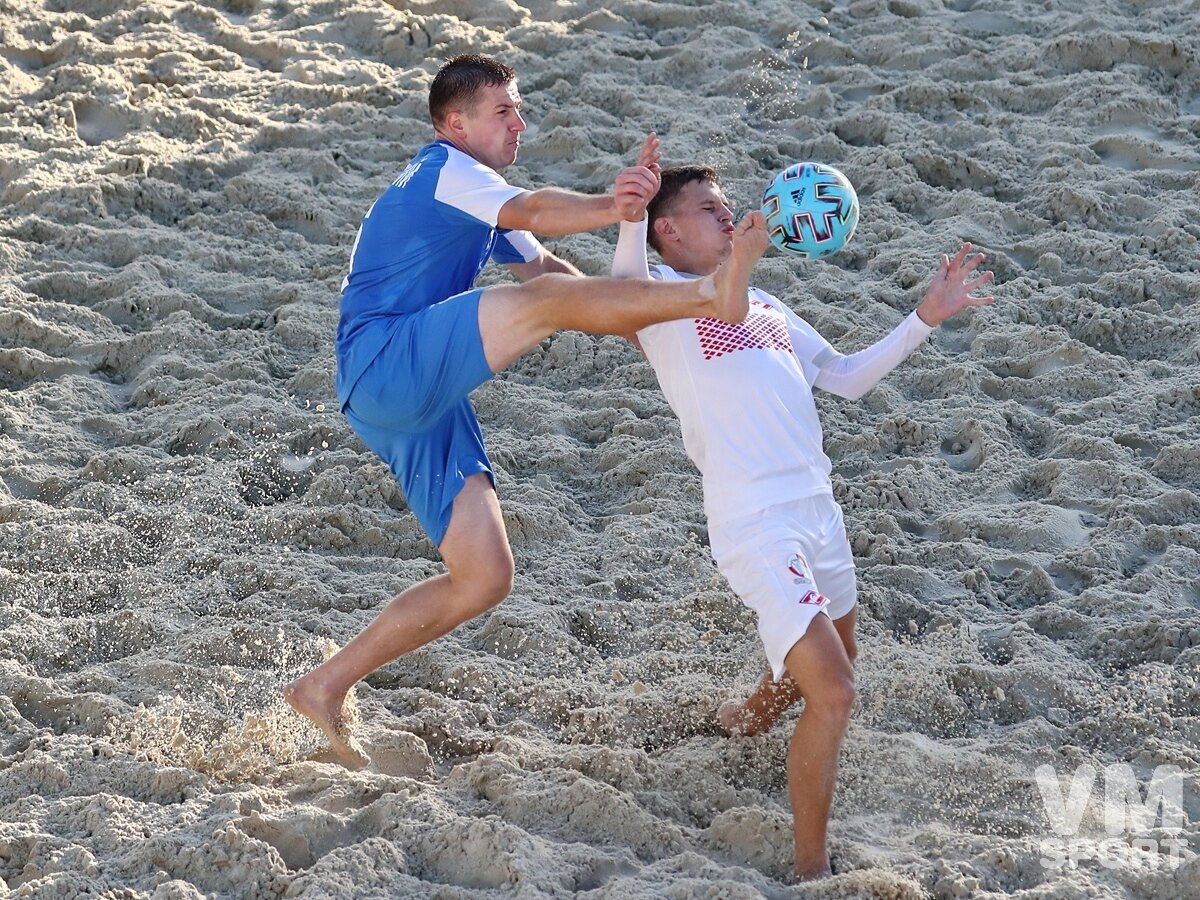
(675, 180)
(461, 77)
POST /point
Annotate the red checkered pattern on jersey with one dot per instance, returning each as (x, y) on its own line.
(758, 331)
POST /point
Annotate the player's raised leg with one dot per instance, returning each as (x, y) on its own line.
(479, 573)
(515, 318)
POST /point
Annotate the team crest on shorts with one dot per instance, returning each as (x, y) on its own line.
(812, 598)
(798, 566)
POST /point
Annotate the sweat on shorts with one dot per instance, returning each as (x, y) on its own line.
(788, 563)
(410, 406)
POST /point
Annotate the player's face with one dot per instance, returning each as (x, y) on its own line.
(703, 224)
(492, 126)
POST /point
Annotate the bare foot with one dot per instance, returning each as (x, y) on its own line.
(325, 711)
(816, 873)
(728, 287)
(729, 714)
(761, 709)
(740, 721)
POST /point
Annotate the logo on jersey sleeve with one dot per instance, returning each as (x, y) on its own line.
(407, 175)
(762, 329)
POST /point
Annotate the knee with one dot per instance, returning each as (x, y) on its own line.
(489, 582)
(834, 699)
(496, 583)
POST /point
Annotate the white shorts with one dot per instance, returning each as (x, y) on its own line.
(788, 563)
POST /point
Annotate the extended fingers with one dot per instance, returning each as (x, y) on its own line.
(962, 254)
(970, 265)
(649, 155)
(983, 279)
(963, 264)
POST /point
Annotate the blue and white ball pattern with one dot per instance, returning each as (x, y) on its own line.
(811, 210)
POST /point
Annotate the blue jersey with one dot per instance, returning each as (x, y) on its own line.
(426, 238)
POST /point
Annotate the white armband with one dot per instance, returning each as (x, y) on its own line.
(629, 260)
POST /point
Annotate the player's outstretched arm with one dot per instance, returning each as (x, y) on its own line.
(555, 211)
(951, 290)
(629, 259)
(633, 191)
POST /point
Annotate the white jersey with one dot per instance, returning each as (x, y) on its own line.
(744, 400)
(744, 397)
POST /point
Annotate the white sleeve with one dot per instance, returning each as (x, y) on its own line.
(807, 343)
(516, 247)
(467, 185)
(852, 376)
(629, 260)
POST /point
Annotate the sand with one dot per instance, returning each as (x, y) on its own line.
(186, 521)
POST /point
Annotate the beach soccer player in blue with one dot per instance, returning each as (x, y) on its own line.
(414, 340)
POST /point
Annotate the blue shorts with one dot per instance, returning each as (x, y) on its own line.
(410, 406)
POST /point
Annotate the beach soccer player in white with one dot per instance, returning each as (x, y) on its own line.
(414, 340)
(743, 393)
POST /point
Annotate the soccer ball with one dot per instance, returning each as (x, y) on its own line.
(811, 210)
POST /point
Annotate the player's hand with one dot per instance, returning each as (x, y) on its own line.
(636, 186)
(952, 287)
(650, 154)
(751, 232)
